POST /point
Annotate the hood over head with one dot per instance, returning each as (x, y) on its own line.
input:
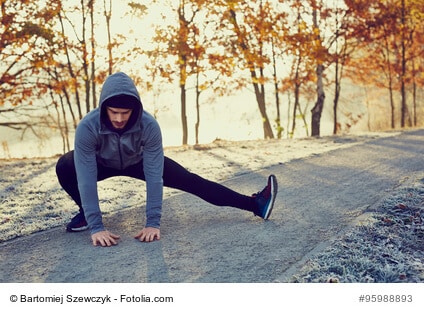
(119, 91)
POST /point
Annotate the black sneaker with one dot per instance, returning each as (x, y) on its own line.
(265, 199)
(78, 223)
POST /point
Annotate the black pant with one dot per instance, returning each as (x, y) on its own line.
(174, 176)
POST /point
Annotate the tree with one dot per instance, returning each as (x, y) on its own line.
(108, 17)
(24, 34)
(341, 46)
(298, 51)
(389, 33)
(279, 127)
(320, 54)
(48, 57)
(21, 37)
(251, 34)
(182, 47)
(180, 44)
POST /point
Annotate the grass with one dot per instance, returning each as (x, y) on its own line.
(388, 249)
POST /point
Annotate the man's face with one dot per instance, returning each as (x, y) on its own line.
(118, 117)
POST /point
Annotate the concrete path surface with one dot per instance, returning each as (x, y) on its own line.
(319, 197)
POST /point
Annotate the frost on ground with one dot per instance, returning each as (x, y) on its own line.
(387, 249)
(32, 200)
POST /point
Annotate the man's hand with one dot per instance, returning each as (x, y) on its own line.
(148, 234)
(105, 238)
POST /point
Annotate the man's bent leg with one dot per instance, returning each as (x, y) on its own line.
(67, 176)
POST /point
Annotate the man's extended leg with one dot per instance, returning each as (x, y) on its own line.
(176, 176)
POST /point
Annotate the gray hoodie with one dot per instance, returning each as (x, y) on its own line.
(95, 143)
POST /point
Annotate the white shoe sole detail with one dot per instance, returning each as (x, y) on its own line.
(274, 190)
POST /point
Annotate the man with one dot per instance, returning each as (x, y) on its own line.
(119, 138)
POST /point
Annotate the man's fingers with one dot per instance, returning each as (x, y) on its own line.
(105, 239)
(148, 234)
(101, 241)
(156, 236)
(115, 236)
(141, 235)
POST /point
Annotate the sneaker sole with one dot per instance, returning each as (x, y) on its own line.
(274, 191)
(75, 230)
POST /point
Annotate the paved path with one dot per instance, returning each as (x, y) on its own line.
(319, 197)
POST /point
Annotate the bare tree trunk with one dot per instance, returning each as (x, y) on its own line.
(184, 114)
(85, 62)
(296, 93)
(289, 134)
(64, 128)
(108, 16)
(337, 92)
(197, 125)
(259, 90)
(303, 115)
(414, 93)
(295, 106)
(336, 125)
(71, 71)
(319, 104)
(182, 58)
(404, 109)
(277, 94)
(260, 99)
(59, 125)
(93, 56)
(390, 78)
(337, 85)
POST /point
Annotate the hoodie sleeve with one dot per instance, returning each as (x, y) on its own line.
(86, 168)
(153, 159)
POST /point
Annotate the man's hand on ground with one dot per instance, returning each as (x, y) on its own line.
(105, 238)
(148, 234)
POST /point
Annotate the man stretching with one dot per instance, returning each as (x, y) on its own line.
(119, 138)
